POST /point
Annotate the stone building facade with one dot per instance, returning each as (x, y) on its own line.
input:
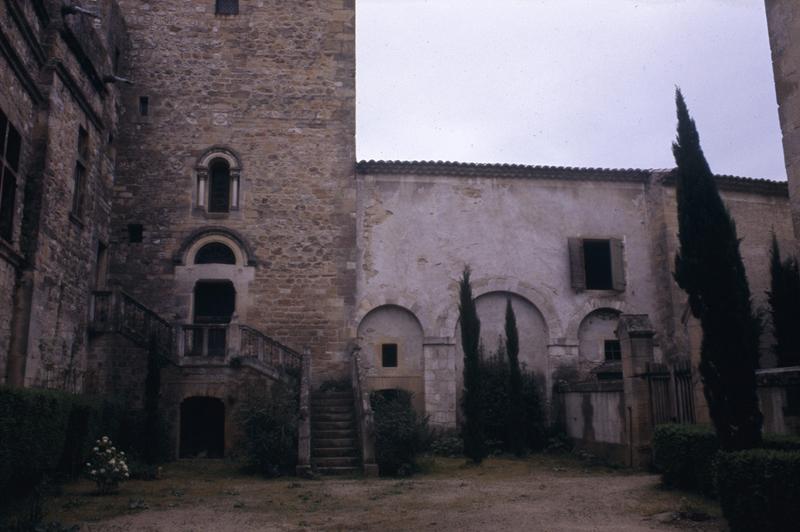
(215, 206)
(783, 20)
(59, 99)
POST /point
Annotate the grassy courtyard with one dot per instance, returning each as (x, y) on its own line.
(542, 492)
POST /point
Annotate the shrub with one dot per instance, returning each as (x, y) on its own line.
(759, 489)
(33, 429)
(107, 466)
(399, 433)
(496, 404)
(268, 419)
(447, 443)
(684, 456)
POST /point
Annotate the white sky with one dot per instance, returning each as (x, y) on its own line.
(566, 82)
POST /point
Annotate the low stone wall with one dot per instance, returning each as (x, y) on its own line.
(779, 398)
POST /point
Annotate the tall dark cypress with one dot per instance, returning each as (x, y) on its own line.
(709, 268)
(152, 428)
(472, 431)
(784, 303)
(517, 433)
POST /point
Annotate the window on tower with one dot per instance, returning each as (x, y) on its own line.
(227, 7)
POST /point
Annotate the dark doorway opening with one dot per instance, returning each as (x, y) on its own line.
(202, 428)
(214, 304)
(214, 301)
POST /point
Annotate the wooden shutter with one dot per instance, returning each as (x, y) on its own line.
(617, 265)
(576, 264)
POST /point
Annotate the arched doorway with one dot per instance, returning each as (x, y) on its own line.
(202, 428)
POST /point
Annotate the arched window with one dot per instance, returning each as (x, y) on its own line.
(219, 190)
(215, 253)
(218, 176)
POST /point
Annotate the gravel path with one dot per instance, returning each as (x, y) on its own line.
(502, 495)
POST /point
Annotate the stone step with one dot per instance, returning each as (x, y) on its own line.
(331, 409)
(335, 452)
(332, 402)
(332, 442)
(346, 470)
(335, 461)
(335, 433)
(332, 416)
(332, 425)
(332, 395)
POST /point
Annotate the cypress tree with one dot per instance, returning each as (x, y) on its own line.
(708, 266)
(516, 415)
(152, 419)
(784, 302)
(472, 431)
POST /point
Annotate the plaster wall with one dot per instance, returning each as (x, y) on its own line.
(416, 234)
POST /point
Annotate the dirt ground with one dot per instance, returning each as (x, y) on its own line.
(540, 493)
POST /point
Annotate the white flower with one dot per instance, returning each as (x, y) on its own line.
(126, 475)
(94, 471)
(105, 439)
(113, 448)
(102, 471)
(96, 449)
(112, 462)
(88, 464)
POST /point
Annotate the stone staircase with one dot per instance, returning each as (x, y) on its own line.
(334, 437)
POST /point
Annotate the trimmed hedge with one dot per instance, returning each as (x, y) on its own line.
(684, 455)
(33, 430)
(48, 432)
(759, 489)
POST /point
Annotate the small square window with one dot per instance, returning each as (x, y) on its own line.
(389, 355)
(612, 350)
(144, 105)
(227, 7)
(135, 233)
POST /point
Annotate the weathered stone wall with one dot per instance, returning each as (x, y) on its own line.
(274, 86)
(783, 20)
(58, 60)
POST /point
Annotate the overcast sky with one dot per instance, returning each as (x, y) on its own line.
(566, 82)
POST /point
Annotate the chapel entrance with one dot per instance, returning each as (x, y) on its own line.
(202, 428)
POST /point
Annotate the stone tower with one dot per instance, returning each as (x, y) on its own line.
(236, 167)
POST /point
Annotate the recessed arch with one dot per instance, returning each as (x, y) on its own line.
(590, 306)
(595, 329)
(219, 152)
(391, 339)
(524, 290)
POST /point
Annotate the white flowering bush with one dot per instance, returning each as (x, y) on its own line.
(107, 466)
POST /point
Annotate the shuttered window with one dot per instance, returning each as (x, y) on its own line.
(227, 7)
(596, 264)
(10, 147)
